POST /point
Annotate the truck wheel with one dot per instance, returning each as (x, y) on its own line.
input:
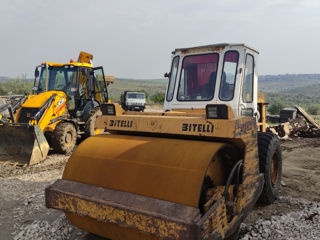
(270, 163)
(64, 138)
(89, 128)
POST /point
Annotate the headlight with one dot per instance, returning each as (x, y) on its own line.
(108, 109)
(217, 111)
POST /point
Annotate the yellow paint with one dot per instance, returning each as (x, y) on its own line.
(76, 64)
(169, 169)
(162, 168)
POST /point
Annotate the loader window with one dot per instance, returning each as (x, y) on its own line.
(173, 76)
(59, 78)
(198, 77)
(228, 77)
(247, 86)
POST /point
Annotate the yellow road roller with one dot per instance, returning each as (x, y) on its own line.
(193, 171)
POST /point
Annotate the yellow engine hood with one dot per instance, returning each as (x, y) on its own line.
(36, 101)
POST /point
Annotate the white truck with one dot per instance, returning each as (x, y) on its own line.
(133, 101)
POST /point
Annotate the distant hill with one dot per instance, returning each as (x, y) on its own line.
(311, 90)
(3, 79)
(151, 86)
(277, 83)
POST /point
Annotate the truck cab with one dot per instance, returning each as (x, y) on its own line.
(214, 74)
(133, 101)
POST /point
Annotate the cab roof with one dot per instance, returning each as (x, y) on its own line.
(76, 64)
(213, 47)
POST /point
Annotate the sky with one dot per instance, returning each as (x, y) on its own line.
(134, 39)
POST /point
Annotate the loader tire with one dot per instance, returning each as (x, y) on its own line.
(89, 128)
(270, 163)
(64, 138)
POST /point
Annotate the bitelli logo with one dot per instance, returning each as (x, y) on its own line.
(120, 123)
(196, 127)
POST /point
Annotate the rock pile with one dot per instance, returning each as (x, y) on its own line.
(59, 229)
(295, 128)
(302, 125)
(304, 224)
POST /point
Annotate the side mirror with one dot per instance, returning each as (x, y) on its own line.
(36, 73)
(167, 75)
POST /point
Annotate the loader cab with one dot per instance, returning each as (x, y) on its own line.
(80, 81)
(214, 74)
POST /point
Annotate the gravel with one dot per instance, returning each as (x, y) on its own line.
(59, 229)
(303, 224)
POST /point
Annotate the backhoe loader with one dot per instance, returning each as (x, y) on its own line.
(64, 105)
(193, 171)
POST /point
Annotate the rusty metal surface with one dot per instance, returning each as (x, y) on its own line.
(162, 168)
(162, 219)
(22, 144)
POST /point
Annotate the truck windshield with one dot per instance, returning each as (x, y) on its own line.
(136, 95)
(198, 77)
(62, 78)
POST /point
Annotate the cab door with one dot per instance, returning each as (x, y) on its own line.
(100, 87)
(248, 97)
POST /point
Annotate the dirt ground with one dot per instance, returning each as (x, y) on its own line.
(22, 190)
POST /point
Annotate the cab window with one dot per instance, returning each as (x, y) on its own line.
(228, 76)
(198, 77)
(247, 86)
(173, 76)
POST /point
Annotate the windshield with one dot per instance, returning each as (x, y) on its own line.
(59, 78)
(136, 95)
(198, 77)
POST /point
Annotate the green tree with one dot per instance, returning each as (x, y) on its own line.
(275, 107)
(158, 98)
(15, 86)
(313, 109)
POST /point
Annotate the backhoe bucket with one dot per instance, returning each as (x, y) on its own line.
(22, 144)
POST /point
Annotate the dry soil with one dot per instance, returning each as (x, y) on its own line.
(24, 216)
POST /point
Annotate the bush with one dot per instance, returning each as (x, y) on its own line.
(158, 98)
(146, 94)
(275, 107)
(313, 109)
(15, 86)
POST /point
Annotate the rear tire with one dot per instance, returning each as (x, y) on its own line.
(64, 138)
(270, 163)
(89, 128)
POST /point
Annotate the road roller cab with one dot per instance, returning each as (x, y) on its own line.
(193, 171)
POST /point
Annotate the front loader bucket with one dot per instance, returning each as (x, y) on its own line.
(22, 144)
